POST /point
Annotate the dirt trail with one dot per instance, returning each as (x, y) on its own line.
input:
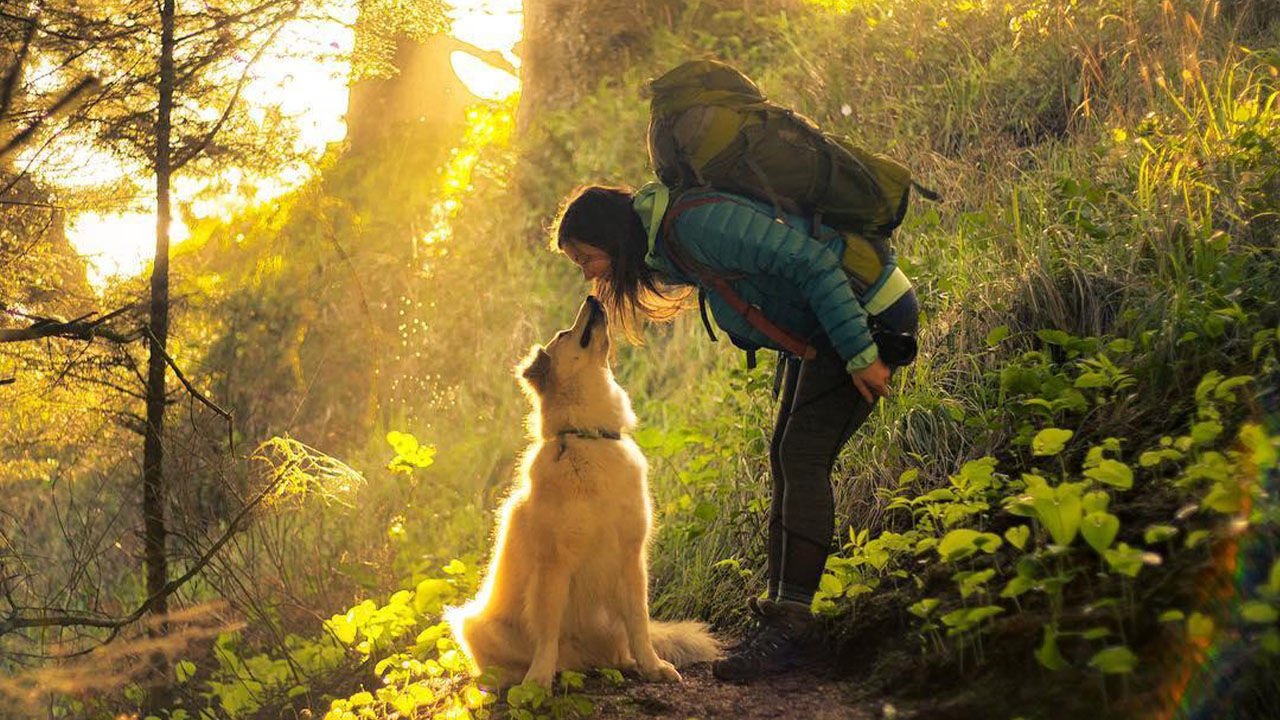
(801, 695)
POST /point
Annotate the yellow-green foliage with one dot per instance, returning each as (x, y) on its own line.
(1105, 246)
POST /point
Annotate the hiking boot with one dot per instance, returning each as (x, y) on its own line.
(783, 640)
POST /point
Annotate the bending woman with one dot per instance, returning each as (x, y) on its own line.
(821, 298)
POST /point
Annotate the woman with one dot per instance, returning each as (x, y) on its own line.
(645, 254)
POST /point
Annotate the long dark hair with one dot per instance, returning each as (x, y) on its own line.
(602, 216)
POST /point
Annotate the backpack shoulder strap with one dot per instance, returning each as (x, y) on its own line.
(786, 339)
(661, 200)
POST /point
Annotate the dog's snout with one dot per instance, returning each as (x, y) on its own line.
(596, 308)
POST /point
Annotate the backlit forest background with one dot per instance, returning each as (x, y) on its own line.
(266, 267)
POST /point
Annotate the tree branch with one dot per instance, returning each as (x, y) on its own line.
(191, 388)
(194, 152)
(81, 328)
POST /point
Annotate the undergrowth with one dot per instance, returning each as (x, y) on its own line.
(1053, 485)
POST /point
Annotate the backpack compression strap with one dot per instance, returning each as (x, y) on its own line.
(786, 339)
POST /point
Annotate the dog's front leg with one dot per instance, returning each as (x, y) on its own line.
(547, 602)
(636, 617)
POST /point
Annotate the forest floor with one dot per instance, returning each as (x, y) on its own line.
(801, 694)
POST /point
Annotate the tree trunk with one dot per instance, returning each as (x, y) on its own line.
(569, 46)
(412, 106)
(153, 489)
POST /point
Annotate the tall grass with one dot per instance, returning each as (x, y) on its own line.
(1108, 169)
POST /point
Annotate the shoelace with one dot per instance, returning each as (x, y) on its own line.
(769, 638)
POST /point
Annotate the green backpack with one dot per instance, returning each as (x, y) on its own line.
(711, 126)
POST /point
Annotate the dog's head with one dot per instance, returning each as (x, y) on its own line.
(576, 352)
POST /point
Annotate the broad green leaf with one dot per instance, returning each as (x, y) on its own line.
(1047, 654)
(1054, 337)
(1260, 445)
(1094, 456)
(1205, 432)
(1270, 641)
(1017, 586)
(184, 670)
(402, 443)
(1124, 559)
(988, 542)
(571, 679)
(1112, 472)
(431, 595)
(1200, 626)
(1099, 529)
(1050, 441)
(958, 544)
(1158, 533)
(1096, 501)
(1172, 616)
(1206, 385)
(1258, 612)
(1226, 496)
(976, 475)
(342, 628)
(1114, 660)
(1096, 633)
(1092, 379)
(1017, 536)
(965, 618)
(831, 585)
(939, 495)
(922, 608)
(997, 334)
(427, 638)
(1195, 537)
(1058, 509)
(1226, 389)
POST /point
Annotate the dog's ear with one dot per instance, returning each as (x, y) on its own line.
(537, 369)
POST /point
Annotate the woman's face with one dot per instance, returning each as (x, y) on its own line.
(594, 262)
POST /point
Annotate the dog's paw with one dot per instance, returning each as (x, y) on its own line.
(539, 678)
(663, 671)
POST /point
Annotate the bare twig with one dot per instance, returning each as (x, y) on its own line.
(63, 104)
(191, 389)
(59, 618)
(194, 152)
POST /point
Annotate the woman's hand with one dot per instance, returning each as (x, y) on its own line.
(873, 380)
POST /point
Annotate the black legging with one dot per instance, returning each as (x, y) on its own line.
(820, 409)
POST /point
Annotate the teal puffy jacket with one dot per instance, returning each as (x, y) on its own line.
(797, 282)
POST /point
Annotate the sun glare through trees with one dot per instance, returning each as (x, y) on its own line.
(303, 76)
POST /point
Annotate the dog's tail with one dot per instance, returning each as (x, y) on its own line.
(684, 642)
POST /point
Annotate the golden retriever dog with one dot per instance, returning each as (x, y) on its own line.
(567, 585)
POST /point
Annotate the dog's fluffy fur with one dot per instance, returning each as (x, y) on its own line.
(567, 586)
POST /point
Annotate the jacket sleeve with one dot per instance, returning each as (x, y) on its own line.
(736, 236)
